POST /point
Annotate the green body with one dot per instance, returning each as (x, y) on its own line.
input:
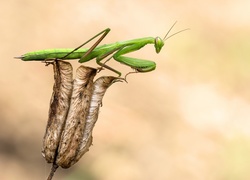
(99, 53)
(115, 50)
(41, 55)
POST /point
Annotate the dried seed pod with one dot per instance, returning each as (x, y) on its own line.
(100, 87)
(74, 127)
(59, 105)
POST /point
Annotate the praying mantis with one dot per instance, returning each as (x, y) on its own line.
(116, 50)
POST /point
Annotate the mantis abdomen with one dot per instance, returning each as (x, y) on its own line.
(53, 54)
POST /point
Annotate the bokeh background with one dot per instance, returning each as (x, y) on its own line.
(189, 119)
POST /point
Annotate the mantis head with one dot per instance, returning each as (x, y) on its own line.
(159, 42)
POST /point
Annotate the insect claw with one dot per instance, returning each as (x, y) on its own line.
(128, 74)
(48, 61)
(99, 69)
(118, 79)
(125, 79)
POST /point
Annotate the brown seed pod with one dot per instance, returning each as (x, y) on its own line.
(100, 87)
(59, 105)
(74, 127)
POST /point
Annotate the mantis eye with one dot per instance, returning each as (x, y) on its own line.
(159, 43)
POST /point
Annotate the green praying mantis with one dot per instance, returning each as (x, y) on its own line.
(116, 50)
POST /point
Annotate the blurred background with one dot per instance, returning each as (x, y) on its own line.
(189, 119)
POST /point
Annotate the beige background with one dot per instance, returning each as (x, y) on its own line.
(189, 119)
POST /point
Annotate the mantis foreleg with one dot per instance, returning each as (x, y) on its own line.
(140, 65)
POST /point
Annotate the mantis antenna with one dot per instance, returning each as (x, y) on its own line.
(165, 37)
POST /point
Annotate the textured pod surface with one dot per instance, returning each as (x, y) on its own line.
(59, 105)
(74, 127)
(100, 87)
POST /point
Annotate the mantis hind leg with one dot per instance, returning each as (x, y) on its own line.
(104, 33)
